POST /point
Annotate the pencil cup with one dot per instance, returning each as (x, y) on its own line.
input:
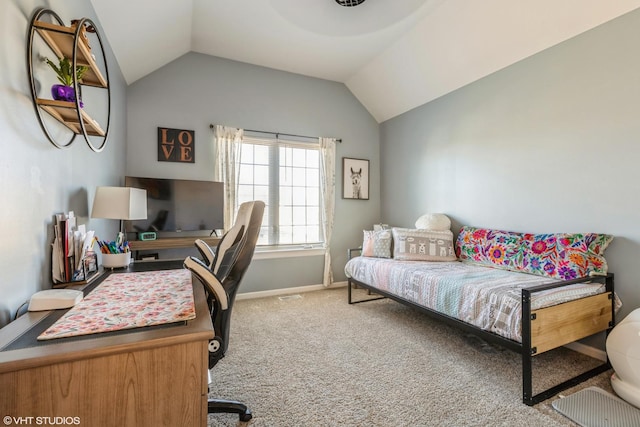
(116, 260)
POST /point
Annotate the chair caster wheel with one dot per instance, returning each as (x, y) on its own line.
(246, 417)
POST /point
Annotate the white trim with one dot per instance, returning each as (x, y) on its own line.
(588, 350)
(287, 253)
(287, 291)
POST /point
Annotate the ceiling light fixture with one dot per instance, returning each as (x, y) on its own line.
(349, 3)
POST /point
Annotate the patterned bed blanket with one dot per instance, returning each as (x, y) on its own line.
(485, 297)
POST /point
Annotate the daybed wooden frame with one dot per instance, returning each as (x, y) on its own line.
(542, 330)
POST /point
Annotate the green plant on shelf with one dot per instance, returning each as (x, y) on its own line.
(64, 71)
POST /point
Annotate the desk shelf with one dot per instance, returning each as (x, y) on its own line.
(171, 243)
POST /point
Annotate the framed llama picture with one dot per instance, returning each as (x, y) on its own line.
(355, 179)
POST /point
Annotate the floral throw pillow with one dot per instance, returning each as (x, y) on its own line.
(377, 243)
(562, 255)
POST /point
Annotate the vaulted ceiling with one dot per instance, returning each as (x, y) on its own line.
(393, 55)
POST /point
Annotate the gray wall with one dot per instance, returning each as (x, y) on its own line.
(549, 144)
(196, 90)
(37, 179)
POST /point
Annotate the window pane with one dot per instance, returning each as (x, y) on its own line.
(286, 235)
(246, 153)
(299, 215)
(313, 234)
(313, 158)
(299, 157)
(245, 193)
(299, 176)
(261, 155)
(313, 216)
(299, 233)
(261, 192)
(261, 175)
(263, 237)
(245, 175)
(285, 156)
(285, 216)
(313, 177)
(286, 176)
(285, 196)
(299, 194)
(313, 196)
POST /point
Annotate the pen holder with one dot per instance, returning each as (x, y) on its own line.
(121, 260)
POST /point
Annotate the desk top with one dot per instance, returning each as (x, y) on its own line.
(67, 349)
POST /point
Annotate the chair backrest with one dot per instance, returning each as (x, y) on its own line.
(231, 261)
(250, 217)
(230, 242)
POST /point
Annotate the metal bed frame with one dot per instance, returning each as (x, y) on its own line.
(527, 351)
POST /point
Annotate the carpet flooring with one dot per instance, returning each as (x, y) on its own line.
(313, 360)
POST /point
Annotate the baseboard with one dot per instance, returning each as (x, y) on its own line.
(288, 291)
(587, 350)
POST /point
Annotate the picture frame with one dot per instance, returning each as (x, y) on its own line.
(355, 178)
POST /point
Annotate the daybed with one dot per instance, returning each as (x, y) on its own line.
(527, 292)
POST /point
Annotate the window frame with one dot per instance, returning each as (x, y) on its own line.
(273, 204)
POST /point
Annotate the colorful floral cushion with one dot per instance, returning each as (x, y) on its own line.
(564, 256)
(377, 243)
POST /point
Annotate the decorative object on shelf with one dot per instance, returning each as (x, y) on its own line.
(66, 91)
(71, 46)
(122, 203)
(349, 3)
(355, 178)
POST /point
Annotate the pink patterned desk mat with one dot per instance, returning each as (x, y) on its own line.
(129, 300)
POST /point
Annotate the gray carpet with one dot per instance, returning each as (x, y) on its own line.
(317, 361)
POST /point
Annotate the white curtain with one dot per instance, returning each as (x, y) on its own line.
(328, 191)
(227, 143)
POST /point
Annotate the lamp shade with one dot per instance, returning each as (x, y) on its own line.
(120, 203)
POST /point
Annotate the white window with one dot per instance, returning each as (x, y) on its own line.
(286, 176)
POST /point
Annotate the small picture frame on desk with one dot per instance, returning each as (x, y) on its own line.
(85, 275)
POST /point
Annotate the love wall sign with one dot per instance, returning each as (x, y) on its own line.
(176, 145)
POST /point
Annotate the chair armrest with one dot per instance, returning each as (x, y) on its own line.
(351, 250)
(208, 279)
(207, 253)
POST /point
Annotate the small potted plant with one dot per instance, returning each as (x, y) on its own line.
(65, 91)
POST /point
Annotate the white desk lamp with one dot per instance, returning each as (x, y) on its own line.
(122, 203)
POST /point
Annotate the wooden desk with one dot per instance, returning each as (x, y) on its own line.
(146, 377)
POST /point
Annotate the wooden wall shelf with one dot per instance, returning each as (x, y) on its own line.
(67, 114)
(60, 39)
(72, 43)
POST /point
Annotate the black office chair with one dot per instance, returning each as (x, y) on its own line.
(221, 273)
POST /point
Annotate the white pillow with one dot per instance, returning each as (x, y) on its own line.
(434, 222)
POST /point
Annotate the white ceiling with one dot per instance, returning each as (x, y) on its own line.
(394, 55)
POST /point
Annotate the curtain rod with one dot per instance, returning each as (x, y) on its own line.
(211, 126)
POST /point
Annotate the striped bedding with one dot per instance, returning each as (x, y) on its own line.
(487, 298)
